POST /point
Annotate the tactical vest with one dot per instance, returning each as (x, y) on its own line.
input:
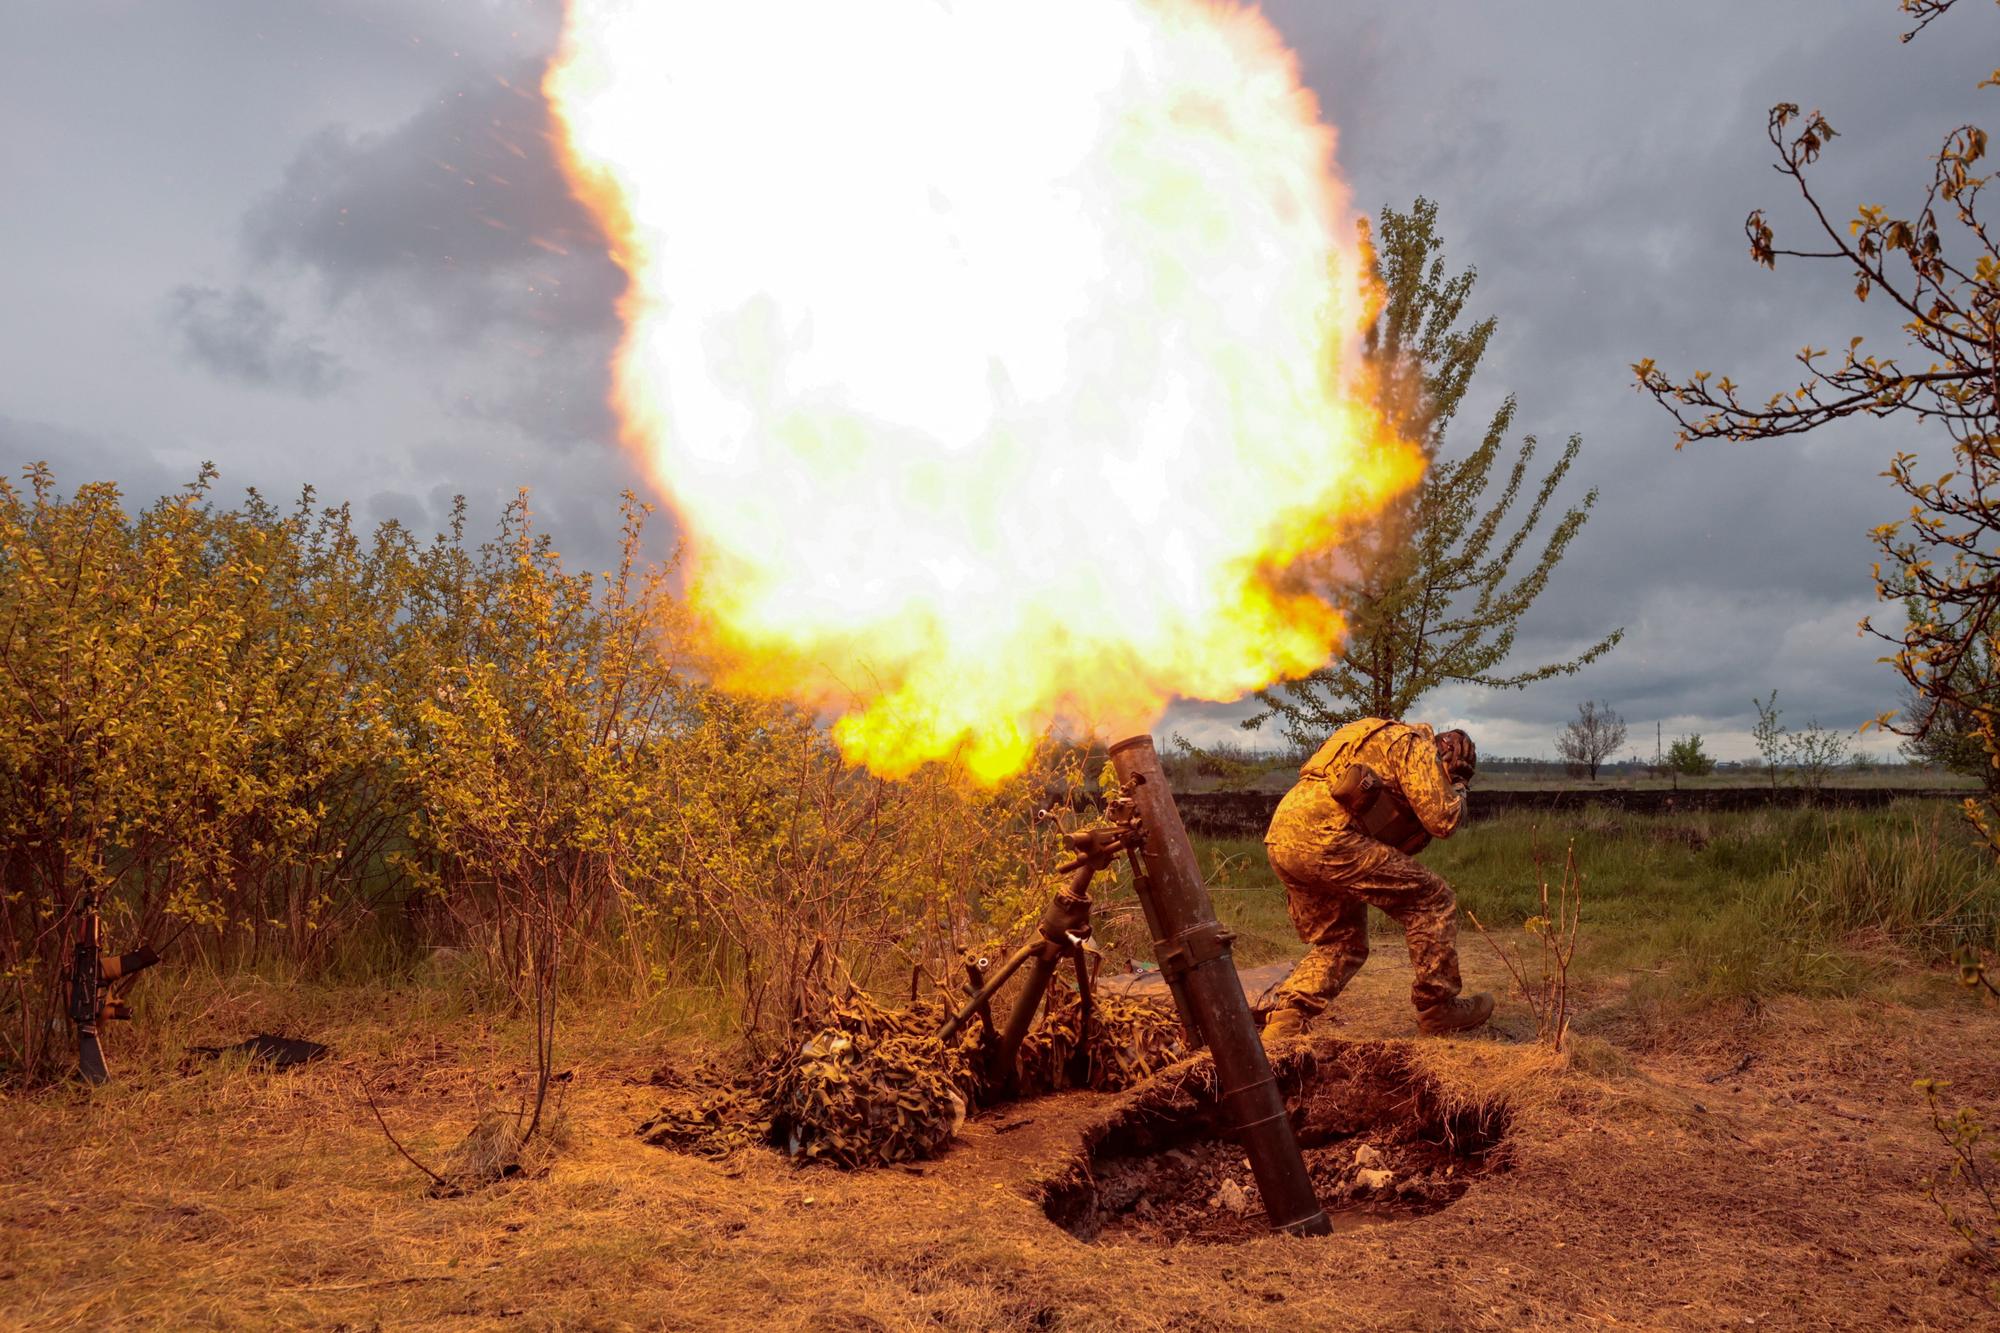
(1374, 803)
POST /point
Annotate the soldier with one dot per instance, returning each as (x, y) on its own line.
(1344, 838)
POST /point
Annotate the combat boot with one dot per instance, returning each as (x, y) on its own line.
(1284, 1025)
(1467, 1011)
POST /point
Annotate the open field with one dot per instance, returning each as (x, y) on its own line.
(1723, 1144)
(1710, 906)
(1552, 778)
(1760, 1169)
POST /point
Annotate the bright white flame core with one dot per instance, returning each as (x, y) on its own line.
(988, 349)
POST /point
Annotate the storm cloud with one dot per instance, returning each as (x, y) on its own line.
(242, 337)
(374, 279)
(459, 211)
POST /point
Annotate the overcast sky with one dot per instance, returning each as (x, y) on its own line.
(326, 242)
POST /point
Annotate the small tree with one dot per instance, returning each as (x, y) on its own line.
(1942, 735)
(1593, 737)
(1942, 729)
(1969, 1194)
(1432, 593)
(1686, 758)
(546, 741)
(1816, 752)
(1555, 927)
(1770, 736)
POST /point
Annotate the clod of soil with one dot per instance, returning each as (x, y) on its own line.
(1381, 1142)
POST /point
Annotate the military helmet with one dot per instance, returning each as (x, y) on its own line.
(1458, 755)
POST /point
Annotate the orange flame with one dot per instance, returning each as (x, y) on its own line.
(997, 356)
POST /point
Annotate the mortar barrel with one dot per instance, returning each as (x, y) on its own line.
(1193, 951)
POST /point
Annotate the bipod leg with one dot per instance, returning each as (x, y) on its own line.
(981, 999)
(1067, 919)
(976, 980)
(1080, 1061)
(1042, 960)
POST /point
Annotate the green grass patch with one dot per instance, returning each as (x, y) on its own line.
(1707, 906)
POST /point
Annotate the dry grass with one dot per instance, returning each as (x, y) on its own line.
(1647, 1188)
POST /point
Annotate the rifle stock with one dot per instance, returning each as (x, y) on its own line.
(90, 998)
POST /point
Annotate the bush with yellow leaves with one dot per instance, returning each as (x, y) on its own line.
(272, 737)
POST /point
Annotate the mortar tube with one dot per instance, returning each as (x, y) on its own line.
(1141, 890)
(1193, 948)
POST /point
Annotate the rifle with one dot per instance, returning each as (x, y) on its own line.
(90, 978)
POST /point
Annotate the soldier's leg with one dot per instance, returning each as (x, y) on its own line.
(1334, 926)
(1421, 902)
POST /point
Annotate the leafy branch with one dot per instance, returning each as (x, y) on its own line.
(1941, 563)
(1974, 1175)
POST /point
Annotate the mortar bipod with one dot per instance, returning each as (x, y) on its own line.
(1063, 932)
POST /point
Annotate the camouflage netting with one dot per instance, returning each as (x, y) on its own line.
(714, 1127)
(1129, 1042)
(856, 1102)
(868, 1087)
(872, 1086)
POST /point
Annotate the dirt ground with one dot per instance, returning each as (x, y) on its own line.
(1759, 1172)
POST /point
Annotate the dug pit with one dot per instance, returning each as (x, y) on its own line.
(1382, 1142)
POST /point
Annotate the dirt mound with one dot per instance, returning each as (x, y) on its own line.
(1381, 1142)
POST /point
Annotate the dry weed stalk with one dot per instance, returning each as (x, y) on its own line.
(497, 1147)
(438, 1181)
(1974, 972)
(1555, 926)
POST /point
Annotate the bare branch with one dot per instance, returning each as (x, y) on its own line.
(396, 1143)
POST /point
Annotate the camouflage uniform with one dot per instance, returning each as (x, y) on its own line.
(1332, 871)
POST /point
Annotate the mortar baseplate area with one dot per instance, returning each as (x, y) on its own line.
(1381, 1142)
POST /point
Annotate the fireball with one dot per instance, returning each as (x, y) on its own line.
(998, 358)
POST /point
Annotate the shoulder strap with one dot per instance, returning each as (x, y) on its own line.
(1346, 752)
(1373, 732)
